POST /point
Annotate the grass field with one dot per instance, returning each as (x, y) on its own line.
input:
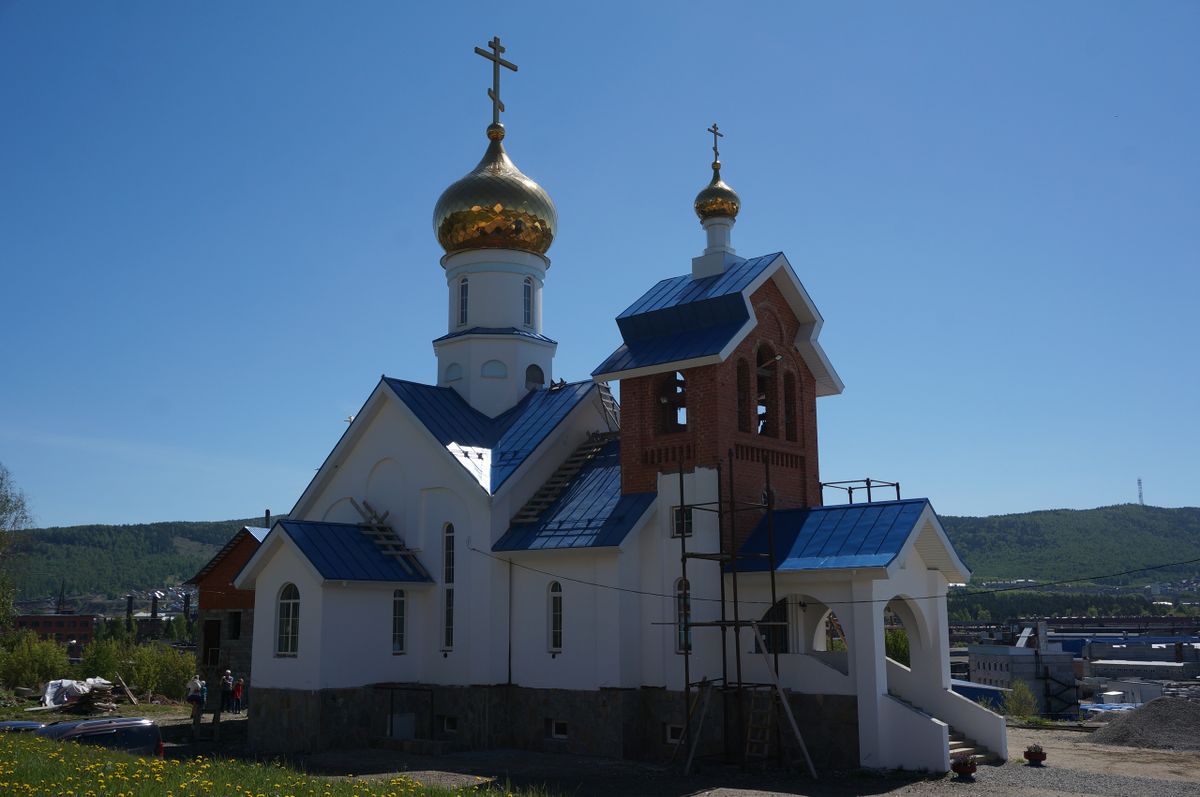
(31, 766)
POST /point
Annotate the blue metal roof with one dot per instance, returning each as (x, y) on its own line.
(835, 537)
(512, 436)
(342, 552)
(683, 318)
(590, 513)
(684, 289)
(670, 347)
(524, 333)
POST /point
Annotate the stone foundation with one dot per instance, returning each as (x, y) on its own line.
(617, 723)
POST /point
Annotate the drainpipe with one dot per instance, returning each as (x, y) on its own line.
(510, 603)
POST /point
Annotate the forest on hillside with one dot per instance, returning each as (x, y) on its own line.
(1059, 544)
(111, 560)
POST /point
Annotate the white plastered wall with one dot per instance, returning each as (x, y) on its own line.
(652, 563)
(302, 671)
(483, 388)
(592, 639)
(357, 631)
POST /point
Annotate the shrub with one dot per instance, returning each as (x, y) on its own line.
(151, 667)
(895, 642)
(26, 660)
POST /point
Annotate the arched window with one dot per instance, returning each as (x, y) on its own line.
(527, 296)
(767, 402)
(683, 616)
(789, 406)
(287, 641)
(672, 400)
(743, 396)
(534, 378)
(398, 622)
(462, 302)
(453, 372)
(494, 369)
(448, 586)
(555, 607)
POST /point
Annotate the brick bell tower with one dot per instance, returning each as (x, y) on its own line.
(723, 360)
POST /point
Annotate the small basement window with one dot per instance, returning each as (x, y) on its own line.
(672, 734)
(449, 724)
(556, 729)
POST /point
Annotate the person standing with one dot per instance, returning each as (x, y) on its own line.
(238, 686)
(227, 691)
(193, 695)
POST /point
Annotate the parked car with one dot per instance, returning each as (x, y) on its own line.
(136, 735)
(20, 726)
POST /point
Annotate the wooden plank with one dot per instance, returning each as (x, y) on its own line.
(128, 695)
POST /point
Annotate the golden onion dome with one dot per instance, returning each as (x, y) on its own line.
(495, 206)
(717, 198)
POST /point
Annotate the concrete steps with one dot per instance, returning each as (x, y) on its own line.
(959, 743)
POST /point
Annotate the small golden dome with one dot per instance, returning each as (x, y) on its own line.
(717, 198)
(495, 206)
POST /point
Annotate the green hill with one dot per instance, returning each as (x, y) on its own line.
(110, 560)
(1067, 543)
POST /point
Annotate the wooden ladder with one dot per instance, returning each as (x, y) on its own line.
(612, 410)
(549, 492)
(775, 692)
(760, 722)
(376, 527)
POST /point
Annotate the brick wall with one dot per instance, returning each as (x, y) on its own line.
(713, 432)
(216, 587)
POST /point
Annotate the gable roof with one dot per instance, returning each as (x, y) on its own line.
(511, 436)
(343, 552)
(683, 322)
(852, 536)
(257, 532)
(591, 511)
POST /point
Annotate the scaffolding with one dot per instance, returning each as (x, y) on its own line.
(758, 719)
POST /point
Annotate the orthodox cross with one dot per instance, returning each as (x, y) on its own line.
(716, 135)
(497, 62)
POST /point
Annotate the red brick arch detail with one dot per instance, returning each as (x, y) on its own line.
(712, 429)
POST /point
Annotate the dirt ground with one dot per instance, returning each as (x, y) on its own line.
(1073, 750)
(1074, 766)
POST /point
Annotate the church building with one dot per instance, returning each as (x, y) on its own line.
(504, 558)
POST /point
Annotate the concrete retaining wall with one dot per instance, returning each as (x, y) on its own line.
(617, 723)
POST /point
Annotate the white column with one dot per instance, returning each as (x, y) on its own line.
(868, 670)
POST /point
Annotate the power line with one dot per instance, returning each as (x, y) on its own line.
(650, 594)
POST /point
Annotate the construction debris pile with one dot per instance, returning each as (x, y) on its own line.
(93, 696)
(1167, 723)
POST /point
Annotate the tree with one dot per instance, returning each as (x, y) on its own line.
(1020, 702)
(14, 511)
(14, 516)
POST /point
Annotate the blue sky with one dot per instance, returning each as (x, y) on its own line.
(215, 227)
